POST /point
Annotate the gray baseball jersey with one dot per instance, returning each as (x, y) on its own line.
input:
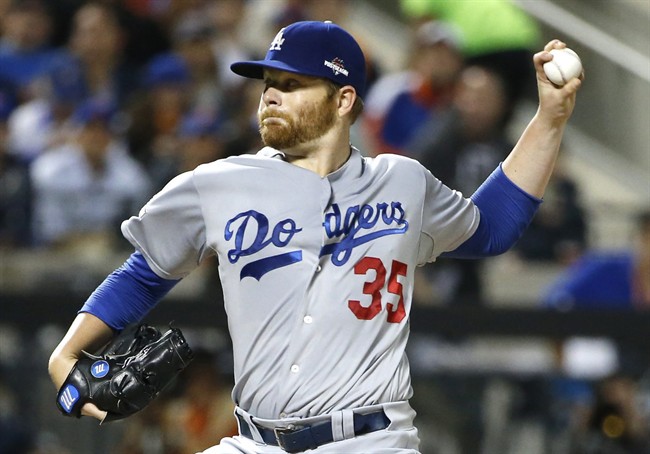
(317, 273)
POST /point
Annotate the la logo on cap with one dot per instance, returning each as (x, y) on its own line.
(277, 41)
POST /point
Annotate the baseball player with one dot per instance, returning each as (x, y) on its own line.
(317, 248)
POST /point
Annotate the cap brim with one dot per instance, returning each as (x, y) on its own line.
(255, 69)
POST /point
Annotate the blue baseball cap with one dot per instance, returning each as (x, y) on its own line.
(166, 69)
(95, 109)
(312, 48)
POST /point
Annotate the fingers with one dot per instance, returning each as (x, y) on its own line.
(574, 84)
(554, 44)
(92, 410)
(544, 56)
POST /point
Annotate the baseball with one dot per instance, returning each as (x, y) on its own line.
(565, 66)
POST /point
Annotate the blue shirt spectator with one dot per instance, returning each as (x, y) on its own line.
(607, 279)
(25, 49)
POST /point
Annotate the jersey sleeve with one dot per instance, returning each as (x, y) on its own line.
(448, 219)
(169, 231)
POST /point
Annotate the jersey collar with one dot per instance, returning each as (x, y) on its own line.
(352, 169)
(269, 152)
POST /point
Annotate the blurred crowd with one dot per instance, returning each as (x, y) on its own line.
(102, 102)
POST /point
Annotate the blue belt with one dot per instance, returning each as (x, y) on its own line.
(301, 438)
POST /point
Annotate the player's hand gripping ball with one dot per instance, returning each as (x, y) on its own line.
(565, 66)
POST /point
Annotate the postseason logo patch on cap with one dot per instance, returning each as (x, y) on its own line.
(337, 66)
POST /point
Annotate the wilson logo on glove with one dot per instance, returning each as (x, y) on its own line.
(99, 369)
(68, 396)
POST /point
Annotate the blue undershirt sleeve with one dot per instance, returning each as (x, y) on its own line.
(128, 293)
(506, 210)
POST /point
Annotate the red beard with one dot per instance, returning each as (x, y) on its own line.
(310, 122)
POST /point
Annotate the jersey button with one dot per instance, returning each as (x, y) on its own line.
(283, 415)
(295, 369)
(308, 319)
(318, 268)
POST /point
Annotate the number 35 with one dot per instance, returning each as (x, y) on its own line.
(374, 287)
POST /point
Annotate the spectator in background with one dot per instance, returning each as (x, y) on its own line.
(226, 19)
(400, 103)
(164, 13)
(607, 279)
(15, 188)
(84, 187)
(143, 24)
(558, 232)
(192, 41)
(40, 123)
(496, 34)
(156, 113)
(462, 148)
(26, 51)
(97, 45)
(198, 143)
(145, 30)
(470, 139)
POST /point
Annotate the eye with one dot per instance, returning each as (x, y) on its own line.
(292, 84)
(287, 85)
(284, 85)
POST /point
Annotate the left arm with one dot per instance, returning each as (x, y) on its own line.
(125, 296)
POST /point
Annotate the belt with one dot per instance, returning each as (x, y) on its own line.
(297, 438)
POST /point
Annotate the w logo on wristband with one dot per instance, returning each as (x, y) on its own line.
(68, 397)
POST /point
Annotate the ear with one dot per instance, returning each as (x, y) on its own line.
(347, 96)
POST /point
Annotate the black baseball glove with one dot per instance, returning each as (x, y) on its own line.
(127, 374)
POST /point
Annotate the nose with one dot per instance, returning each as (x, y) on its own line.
(271, 96)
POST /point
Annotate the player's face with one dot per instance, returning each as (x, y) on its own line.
(294, 110)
